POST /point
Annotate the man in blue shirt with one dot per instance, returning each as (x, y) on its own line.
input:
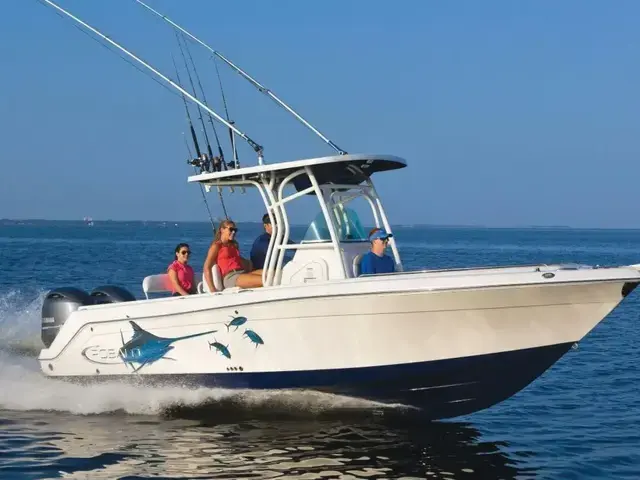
(376, 261)
(261, 245)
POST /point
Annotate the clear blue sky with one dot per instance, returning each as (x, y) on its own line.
(509, 113)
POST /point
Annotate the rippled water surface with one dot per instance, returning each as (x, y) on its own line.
(581, 419)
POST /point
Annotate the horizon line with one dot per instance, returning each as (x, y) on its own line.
(400, 225)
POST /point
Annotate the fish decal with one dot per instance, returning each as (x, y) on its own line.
(236, 321)
(145, 348)
(253, 337)
(224, 350)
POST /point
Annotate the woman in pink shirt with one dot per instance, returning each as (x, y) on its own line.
(180, 273)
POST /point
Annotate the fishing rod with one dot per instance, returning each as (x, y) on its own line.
(204, 98)
(224, 208)
(204, 197)
(254, 82)
(232, 137)
(257, 148)
(204, 128)
(211, 160)
(186, 107)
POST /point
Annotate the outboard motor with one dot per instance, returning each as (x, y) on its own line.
(57, 306)
(111, 294)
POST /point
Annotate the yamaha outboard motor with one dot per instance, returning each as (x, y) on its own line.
(57, 306)
(111, 294)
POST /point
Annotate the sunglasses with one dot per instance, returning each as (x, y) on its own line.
(232, 229)
(185, 252)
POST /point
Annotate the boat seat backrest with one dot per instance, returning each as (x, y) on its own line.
(159, 283)
(217, 280)
(356, 264)
(155, 284)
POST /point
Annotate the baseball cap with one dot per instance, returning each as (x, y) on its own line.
(380, 234)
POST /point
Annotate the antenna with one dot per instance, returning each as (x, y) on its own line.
(258, 149)
(254, 82)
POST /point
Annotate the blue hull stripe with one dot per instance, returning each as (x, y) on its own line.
(443, 388)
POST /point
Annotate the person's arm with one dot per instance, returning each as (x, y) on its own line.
(212, 256)
(247, 265)
(288, 254)
(173, 276)
(253, 255)
(366, 265)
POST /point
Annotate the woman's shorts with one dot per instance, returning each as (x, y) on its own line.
(230, 279)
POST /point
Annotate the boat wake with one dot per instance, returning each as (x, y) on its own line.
(24, 388)
(20, 322)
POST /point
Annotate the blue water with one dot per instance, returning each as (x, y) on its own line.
(580, 420)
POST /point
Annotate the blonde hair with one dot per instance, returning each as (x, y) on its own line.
(224, 224)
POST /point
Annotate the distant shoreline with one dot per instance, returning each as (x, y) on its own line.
(21, 221)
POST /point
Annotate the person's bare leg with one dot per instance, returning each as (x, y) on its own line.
(249, 280)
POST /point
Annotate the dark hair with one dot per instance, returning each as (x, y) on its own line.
(180, 245)
(266, 219)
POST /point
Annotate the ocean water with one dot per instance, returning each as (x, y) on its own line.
(581, 419)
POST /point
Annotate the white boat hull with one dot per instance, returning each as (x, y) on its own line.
(403, 339)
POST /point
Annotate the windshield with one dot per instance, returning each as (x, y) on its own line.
(349, 227)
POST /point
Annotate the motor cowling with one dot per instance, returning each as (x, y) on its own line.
(111, 294)
(58, 305)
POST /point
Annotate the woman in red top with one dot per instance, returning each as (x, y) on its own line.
(180, 273)
(235, 270)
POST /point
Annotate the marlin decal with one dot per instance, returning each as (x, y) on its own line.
(224, 350)
(145, 348)
(236, 321)
(254, 337)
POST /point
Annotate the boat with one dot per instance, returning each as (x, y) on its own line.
(447, 342)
